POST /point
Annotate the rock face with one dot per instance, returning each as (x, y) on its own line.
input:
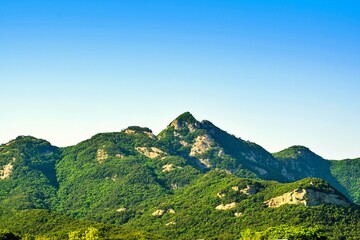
(220, 195)
(169, 167)
(172, 211)
(249, 190)
(300, 162)
(201, 145)
(121, 209)
(139, 130)
(170, 223)
(307, 197)
(176, 124)
(185, 120)
(226, 206)
(158, 213)
(205, 162)
(153, 152)
(129, 131)
(101, 155)
(238, 214)
(6, 171)
(150, 135)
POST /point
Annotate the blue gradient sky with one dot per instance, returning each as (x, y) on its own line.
(277, 73)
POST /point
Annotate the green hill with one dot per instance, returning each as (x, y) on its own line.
(223, 206)
(28, 176)
(299, 162)
(193, 180)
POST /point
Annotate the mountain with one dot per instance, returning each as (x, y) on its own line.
(112, 171)
(210, 147)
(300, 162)
(223, 205)
(192, 180)
(27, 173)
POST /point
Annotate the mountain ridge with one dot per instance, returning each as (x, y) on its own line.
(181, 117)
(207, 146)
(137, 179)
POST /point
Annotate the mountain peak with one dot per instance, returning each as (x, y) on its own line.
(138, 129)
(299, 148)
(296, 152)
(184, 120)
(26, 139)
(186, 117)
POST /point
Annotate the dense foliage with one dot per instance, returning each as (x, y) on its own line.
(347, 173)
(196, 215)
(42, 224)
(135, 185)
(344, 175)
(33, 180)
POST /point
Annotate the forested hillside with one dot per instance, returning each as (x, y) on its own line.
(192, 180)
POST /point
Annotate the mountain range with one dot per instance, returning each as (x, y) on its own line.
(192, 180)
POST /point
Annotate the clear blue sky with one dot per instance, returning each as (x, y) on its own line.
(278, 73)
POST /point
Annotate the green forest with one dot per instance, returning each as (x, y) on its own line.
(191, 181)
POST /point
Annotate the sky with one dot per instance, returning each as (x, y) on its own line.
(278, 73)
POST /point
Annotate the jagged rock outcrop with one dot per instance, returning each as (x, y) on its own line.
(169, 167)
(185, 120)
(220, 195)
(6, 171)
(226, 206)
(158, 213)
(140, 130)
(307, 197)
(101, 155)
(201, 145)
(121, 209)
(177, 124)
(238, 214)
(205, 162)
(170, 210)
(249, 190)
(152, 152)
